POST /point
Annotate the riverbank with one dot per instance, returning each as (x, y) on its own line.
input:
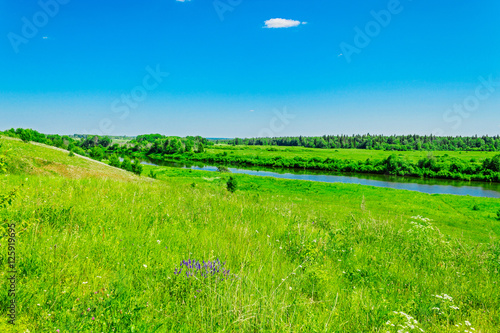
(449, 165)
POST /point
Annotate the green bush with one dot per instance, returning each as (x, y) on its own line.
(232, 184)
(114, 161)
(126, 164)
(137, 167)
(25, 135)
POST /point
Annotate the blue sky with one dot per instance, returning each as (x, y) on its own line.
(250, 67)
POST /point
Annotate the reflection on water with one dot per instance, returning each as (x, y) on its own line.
(431, 186)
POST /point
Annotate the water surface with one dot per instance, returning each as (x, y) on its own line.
(430, 186)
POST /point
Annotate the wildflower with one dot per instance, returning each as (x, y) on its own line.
(158, 241)
(145, 266)
(84, 282)
(467, 323)
(93, 318)
(454, 307)
(57, 330)
(98, 277)
(290, 288)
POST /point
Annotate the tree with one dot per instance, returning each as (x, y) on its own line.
(104, 141)
(97, 153)
(25, 135)
(126, 164)
(188, 145)
(114, 160)
(137, 167)
(232, 184)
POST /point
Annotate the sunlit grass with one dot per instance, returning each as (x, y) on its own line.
(350, 154)
(99, 253)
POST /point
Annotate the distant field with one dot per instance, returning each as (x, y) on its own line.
(351, 154)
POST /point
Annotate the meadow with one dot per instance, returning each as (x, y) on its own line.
(100, 249)
(344, 154)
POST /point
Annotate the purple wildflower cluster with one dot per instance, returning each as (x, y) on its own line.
(194, 268)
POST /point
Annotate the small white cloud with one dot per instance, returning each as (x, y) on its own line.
(182, 0)
(282, 23)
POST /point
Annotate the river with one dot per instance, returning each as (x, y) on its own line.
(430, 186)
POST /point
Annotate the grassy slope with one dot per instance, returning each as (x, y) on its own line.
(352, 154)
(95, 242)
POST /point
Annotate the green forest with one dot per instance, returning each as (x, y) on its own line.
(378, 142)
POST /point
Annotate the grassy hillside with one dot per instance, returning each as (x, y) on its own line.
(98, 250)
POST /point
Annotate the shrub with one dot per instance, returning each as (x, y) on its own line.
(126, 164)
(25, 135)
(79, 151)
(223, 169)
(114, 160)
(232, 184)
(137, 167)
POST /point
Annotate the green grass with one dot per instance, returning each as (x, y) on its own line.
(345, 154)
(97, 249)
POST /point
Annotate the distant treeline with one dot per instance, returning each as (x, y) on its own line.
(379, 142)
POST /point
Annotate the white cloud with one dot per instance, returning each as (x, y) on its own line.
(282, 23)
(182, 0)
